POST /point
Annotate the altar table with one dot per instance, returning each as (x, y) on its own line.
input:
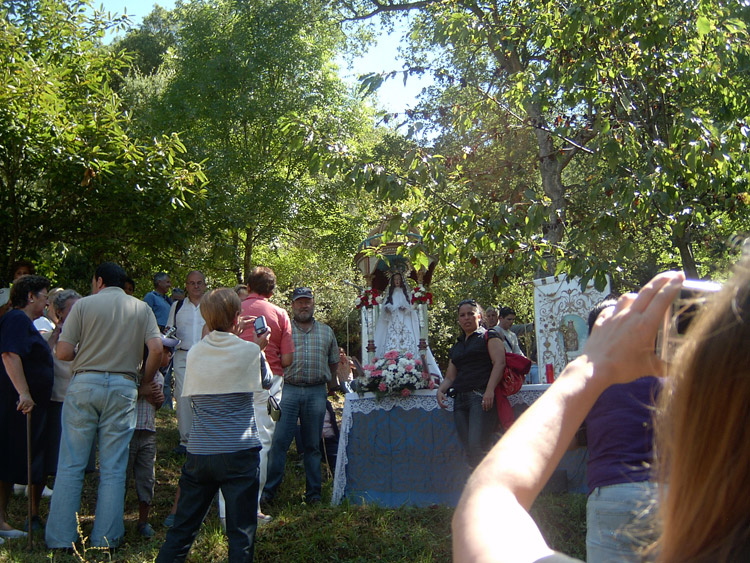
(397, 451)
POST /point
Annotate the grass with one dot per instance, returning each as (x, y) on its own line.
(298, 533)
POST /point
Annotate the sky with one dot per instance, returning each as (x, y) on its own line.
(394, 96)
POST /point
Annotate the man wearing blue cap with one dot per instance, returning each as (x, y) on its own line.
(316, 356)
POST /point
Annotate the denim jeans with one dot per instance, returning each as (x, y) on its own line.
(309, 405)
(96, 405)
(475, 426)
(616, 523)
(236, 474)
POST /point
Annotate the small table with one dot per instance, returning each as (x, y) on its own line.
(397, 451)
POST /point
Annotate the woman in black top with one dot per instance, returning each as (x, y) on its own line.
(476, 365)
(26, 377)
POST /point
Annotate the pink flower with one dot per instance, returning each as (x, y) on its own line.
(405, 392)
(391, 362)
(382, 387)
(432, 384)
(408, 355)
(392, 355)
(426, 375)
(377, 373)
(409, 367)
(417, 362)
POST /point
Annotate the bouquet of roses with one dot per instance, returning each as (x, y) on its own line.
(421, 295)
(394, 374)
(369, 298)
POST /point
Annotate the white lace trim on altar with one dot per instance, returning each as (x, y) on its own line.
(424, 399)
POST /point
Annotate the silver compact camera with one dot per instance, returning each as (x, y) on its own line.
(693, 295)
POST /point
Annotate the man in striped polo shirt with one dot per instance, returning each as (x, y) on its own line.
(316, 356)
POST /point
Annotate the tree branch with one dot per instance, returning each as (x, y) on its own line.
(390, 8)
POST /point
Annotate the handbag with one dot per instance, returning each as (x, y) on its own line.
(514, 375)
(274, 409)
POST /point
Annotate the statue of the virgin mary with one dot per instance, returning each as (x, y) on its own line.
(398, 324)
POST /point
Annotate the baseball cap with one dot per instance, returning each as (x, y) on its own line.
(302, 292)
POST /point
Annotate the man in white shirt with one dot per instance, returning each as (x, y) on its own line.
(510, 340)
(186, 317)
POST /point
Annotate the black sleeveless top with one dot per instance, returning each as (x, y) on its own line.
(472, 360)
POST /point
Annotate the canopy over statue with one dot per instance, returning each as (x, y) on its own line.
(394, 306)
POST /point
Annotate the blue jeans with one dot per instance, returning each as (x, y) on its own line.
(475, 426)
(309, 405)
(236, 474)
(616, 523)
(96, 405)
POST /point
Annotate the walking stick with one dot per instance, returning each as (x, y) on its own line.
(28, 477)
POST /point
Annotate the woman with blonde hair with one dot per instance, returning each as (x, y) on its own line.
(702, 432)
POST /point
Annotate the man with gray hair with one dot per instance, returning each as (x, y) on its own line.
(490, 317)
(159, 300)
(185, 317)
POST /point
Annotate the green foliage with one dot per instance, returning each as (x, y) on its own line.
(634, 111)
(70, 172)
(239, 82)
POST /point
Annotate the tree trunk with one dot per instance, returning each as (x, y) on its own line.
(248, 263)
(685, 247)
(238, 268)
(550, 171)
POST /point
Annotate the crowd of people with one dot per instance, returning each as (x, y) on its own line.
(88, 374)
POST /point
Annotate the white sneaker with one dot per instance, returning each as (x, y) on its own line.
(19, 489)
(263, 519)
(47, 492)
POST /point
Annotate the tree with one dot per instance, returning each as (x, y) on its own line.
(71, 175)
(643, 97)
(241, 77)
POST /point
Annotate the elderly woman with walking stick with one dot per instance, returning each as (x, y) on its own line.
(26, 376)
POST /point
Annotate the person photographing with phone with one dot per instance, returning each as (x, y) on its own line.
(262, 284)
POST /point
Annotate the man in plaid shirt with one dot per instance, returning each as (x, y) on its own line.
(316, 357)
(143, 444)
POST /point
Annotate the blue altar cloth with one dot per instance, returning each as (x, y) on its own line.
(398, 451)
(405, 451)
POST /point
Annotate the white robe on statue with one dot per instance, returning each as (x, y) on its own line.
(398, 329)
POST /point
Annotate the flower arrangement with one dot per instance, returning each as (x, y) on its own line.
(394, 374)
(369, 298)
(421, 295)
